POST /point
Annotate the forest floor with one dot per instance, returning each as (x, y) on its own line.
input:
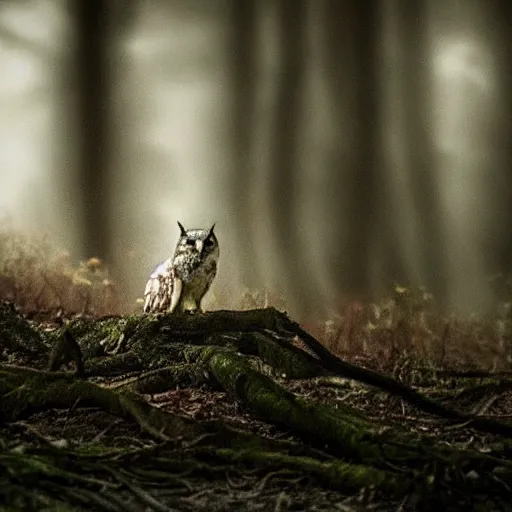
(247, 488)
(464, 365)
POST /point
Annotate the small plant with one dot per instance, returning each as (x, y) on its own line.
(406, 308)
(91, 282)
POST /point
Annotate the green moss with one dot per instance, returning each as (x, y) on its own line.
(95, 336)
(19, 338)
(342, 430)
(288, 360)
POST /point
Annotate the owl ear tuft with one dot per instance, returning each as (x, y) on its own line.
(211, 230)
(182, 229)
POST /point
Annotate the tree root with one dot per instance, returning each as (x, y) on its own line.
(342, 448)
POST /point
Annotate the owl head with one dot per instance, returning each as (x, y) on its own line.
(202, 241)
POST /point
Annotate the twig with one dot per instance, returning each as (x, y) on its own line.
(96, 438)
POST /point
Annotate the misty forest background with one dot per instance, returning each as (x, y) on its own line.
(340, 146)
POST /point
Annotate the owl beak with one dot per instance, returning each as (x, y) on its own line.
(199, 246)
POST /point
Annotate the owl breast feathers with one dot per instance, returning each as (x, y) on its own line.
(180, 283)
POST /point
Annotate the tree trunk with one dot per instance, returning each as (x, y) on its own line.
(419, 146)
(93, 85)
(244, 77)
(352, 34)
(284, 203)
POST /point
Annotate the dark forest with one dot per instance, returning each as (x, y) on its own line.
(349, 161)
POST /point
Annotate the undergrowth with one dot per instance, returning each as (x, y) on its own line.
(405, 329)
(39, 277)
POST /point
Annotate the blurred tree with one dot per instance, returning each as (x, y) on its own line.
(93, 82)
(244, 47)
(284, 203)
(499, 236)
(417, 79)
(98, 25)
(351, 35)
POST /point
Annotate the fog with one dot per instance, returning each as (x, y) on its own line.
(340, 146)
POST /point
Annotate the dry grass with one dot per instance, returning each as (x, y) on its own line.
(39, 277)
(407, 329)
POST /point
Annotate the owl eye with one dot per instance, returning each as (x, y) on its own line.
(208, 242)
(190, 241)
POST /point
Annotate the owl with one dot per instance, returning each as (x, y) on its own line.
(180, 282)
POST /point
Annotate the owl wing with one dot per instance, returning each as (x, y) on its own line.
(176, 295)
(159, 288)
